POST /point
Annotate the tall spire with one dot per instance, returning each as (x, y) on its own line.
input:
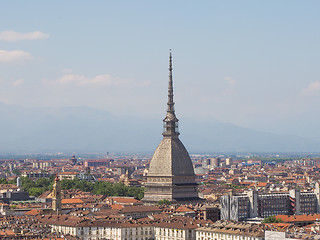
(171, 175)
(56, 196)
(170, 121)
(170, 87)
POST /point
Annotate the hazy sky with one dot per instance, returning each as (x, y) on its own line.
(252, 63)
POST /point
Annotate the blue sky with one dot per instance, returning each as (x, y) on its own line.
(251, 63)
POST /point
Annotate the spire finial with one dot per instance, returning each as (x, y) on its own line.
(170, 121)
(170, 87)
(170, 61)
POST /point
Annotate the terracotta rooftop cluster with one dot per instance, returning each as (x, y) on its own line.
(239, 228)
(24, 227)
(157, 221)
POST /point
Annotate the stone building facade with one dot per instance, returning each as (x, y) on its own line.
(171, 175)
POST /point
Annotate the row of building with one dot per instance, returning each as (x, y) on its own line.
(251, 204)
(154, 227)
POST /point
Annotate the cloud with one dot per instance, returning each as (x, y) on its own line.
(13, 36)
(230, 81)
(81, 80)
(12, 56)
(18, 82)
(312, 90)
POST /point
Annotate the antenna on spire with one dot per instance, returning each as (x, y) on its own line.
(170, 63)
(170, 87)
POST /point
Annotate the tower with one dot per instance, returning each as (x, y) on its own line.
(18, 182)
(56, 196)
(317, 192)
(171, 175)
(228, 162)
(73, 160)
(215, 162)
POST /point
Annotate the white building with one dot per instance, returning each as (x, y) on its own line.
(175, 229)
(230, 231)
(273, 235)
(108, 231)
(169, 228)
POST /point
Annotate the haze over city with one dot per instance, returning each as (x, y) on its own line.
(93, 76)
(159, 120)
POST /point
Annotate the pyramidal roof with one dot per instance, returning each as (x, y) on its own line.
(171, 157)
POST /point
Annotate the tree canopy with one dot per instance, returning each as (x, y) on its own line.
(36, 188)
(163, 202)
(103, 188)
(271, 219)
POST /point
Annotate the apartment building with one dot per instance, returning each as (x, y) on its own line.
(253, 204)
(98, 229)
(230, 230)
(160, 228)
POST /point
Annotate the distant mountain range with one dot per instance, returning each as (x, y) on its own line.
(87, 129)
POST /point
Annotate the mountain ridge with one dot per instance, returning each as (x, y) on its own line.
(88, 129)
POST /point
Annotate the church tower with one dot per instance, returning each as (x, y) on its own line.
(171, 175)
(56, 196)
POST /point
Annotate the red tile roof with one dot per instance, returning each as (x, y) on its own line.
(298, 218)
(33, 212)
(71, 201)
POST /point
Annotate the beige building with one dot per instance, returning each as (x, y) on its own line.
(67, 175)
(230, 231)
(170, 228)
(171, 175)
(101, 231)
(56, 196)
(173, 230)
(42, 164)
(87, 229)
(8, 188)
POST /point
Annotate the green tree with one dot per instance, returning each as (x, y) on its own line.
(3, 181)
(271, 219)
(163, 202)
(16, 171)
(36, 191)
(36, 188)
(43, 182)
(27, 183)
(13, 181)
(52, 177)
(67, 184)
(140, 194)
(103, 188)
